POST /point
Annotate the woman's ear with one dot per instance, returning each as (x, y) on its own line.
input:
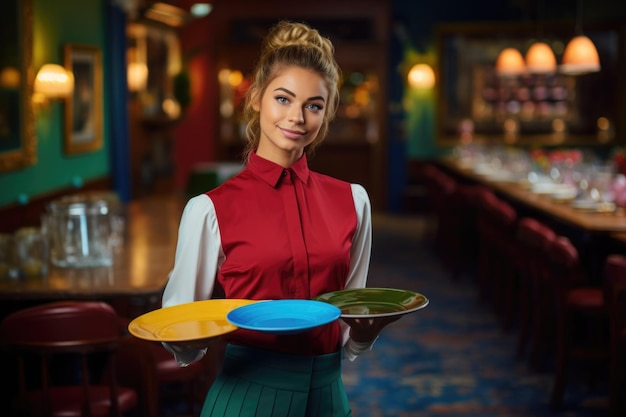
(255, 99)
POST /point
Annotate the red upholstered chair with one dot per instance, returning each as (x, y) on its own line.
(496, 221)
(533, 238)
(72, 331)
(440, 190)
(461, 253)
(503, 219)
(487, 250)
(615, 298)
(581, 316)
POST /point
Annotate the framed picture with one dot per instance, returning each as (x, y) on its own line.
(18, 144)
(83, 110)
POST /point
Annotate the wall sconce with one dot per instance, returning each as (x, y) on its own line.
(10, 78)
(51, 83)
(510, 62)
(421, 76)
(137, 76)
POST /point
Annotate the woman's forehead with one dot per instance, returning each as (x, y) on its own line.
(300, 81)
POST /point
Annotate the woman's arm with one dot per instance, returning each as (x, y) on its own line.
(198, 257)
(360, 254)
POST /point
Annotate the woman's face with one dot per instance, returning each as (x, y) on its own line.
(292, 110)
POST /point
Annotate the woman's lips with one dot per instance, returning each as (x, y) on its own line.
(292, 134)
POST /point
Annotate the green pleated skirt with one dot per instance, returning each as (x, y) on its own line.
(261, 383)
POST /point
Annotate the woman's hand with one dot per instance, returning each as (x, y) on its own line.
(365, 330)
(194, 344)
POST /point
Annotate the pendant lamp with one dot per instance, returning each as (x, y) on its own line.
(540, 59)
(580, 57)
(510, 63)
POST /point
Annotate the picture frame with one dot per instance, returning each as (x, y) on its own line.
(84, 108)
(18, 142)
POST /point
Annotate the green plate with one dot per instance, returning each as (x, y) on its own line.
(374, 302)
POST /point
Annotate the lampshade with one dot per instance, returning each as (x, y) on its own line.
(137, 76)
(540, 58)
(54, 81)
(580, 57)
(510, 62)
(421, 76)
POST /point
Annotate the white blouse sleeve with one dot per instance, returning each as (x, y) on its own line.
(360, 253)
(198, 256)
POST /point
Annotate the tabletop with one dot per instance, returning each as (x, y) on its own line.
(141, 262)
(589, 221)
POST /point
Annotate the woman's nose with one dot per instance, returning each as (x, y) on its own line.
(296, 115)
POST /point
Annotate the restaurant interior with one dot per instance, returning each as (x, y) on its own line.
(482, 118)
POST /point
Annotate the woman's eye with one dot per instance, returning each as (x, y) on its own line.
(282, 100)
(314, 107)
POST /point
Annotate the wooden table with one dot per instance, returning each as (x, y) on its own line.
(589, 221)
(136, 279)
(595, 234)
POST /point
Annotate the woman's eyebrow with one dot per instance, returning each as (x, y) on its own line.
(292, 94)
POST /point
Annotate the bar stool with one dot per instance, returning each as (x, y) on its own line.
(533, 238)
(486, 247)
(577, 306)
(503, 219)
(615, 296)
(465, 206)
(496, 223)
(441, 188)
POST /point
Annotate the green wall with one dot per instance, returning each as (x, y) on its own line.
(56, 23)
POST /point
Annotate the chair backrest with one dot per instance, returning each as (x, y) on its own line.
(64, 327)
(566, 271)
(615, 283)
(65, 324)
(534, 236)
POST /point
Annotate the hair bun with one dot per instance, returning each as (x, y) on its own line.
(286, 34)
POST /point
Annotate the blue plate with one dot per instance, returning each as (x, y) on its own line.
(283, 316)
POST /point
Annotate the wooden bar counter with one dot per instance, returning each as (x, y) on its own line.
(596, 234)
(589, 221)
(135, 281)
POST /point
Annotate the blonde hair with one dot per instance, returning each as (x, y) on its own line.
(292, 44)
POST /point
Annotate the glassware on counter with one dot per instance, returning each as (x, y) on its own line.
(80, 230)
(31, 250)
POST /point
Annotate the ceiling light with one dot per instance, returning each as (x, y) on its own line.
(540, 59)
(580, 57)
(510, 63)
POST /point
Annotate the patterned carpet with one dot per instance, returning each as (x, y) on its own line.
(451, 358)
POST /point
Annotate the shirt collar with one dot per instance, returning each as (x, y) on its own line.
(271, 172)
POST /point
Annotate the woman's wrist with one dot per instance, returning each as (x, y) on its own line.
(355, 347)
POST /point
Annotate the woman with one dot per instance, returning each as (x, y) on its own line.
(280, 231)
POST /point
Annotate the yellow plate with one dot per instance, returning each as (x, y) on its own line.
(185, 322)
